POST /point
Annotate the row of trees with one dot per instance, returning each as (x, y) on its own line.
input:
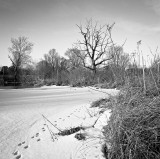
(94, 58)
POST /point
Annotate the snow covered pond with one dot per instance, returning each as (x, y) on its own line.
(21, 121)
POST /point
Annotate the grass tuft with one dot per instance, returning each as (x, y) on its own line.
(100, 103)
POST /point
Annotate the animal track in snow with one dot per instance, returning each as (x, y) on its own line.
(38, 140)
(15, 153)
(19, 144)
(43, 130)
(25, 147)
(37, 134)
(19, 156)
(23, 142)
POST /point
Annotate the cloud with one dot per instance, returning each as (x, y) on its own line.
(154, 4)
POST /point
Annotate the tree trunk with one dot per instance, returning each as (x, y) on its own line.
(94, 73)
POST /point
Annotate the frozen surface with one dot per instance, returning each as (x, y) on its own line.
(23, 133)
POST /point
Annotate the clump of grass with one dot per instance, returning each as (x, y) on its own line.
(100, 103)
(133, 131)
(70, 131)
(80, 136)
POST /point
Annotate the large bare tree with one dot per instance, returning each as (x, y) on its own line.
(20, 53)
(96, 42)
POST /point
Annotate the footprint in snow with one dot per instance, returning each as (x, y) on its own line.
(26, 147)
(19, 156)
(32, 137)
(19, 144)
(37, 134)
(38, 140)
(23, 142)
(15, 153)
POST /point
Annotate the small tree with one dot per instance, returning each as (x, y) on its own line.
(20, 54)
(96, 41)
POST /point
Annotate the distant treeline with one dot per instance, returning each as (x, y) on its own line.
(105, 74)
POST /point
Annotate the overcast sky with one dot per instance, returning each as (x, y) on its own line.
(52, 23)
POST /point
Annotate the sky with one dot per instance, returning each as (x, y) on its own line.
(52, 23)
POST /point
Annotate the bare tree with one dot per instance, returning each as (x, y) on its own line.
(74, 60)
(52, 59)
(120, 59)
(62, 70)
(20, 53)
(56, 66)
(119, 62)
(96, 41)
(43, 69)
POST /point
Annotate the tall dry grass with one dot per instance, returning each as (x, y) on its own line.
(133, 131)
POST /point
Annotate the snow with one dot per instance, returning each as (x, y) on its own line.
(23, 130)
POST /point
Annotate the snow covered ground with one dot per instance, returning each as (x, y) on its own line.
(25, 134)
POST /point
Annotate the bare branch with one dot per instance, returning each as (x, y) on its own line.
(97, 40)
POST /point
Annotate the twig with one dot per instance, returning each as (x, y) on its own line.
(52, 123)
(48, 129)
(99, 91)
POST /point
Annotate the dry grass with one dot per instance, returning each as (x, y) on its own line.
(133, 131)
(101, 103)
